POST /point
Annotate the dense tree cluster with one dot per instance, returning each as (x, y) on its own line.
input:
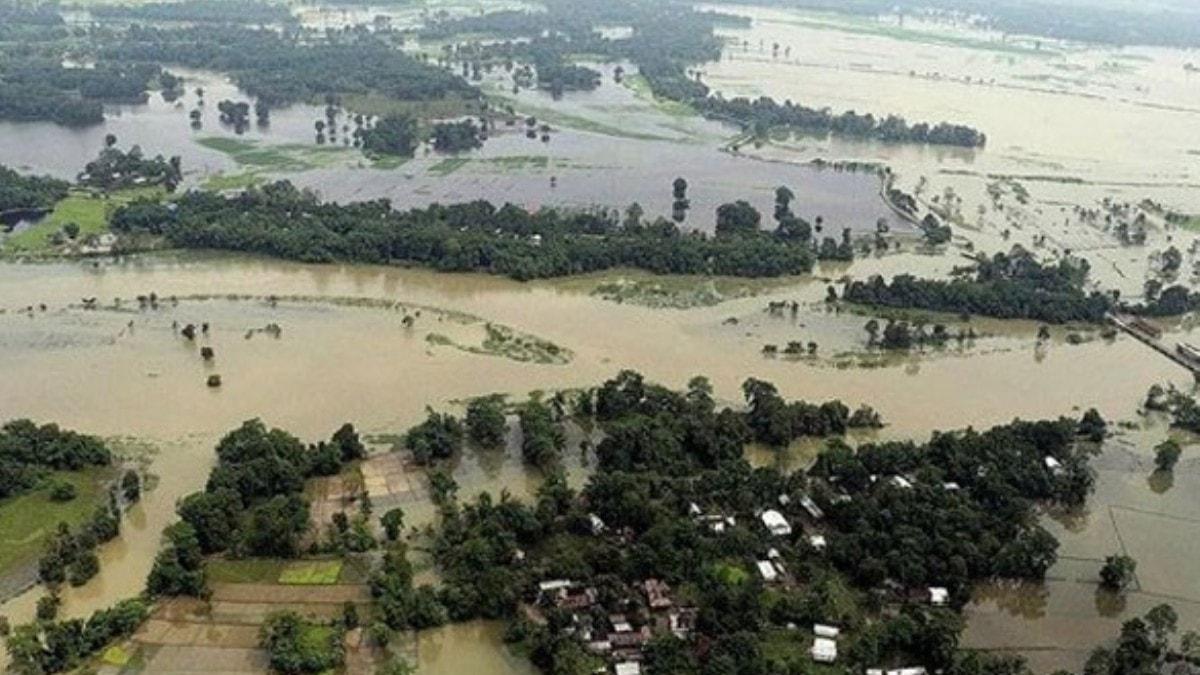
(1174, 300)
(253, 502)
(36, 88)
(70, 556)
(114, 169)
(196, 11)
(669, 462)
(284, 67)
(1183, 409)
(1144, 645)
(295, 645)
(485, 421)
(29, 451)
(440, 436)
(542, 437)
(18, 192)
(954, 510)
(282, 221)
(391, 135)
(1006, 286)
(764, 113)
(59, 646)
(457, 136)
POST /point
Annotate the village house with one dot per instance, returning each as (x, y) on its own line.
(824, 649)
(658, 594)
(775, 523)
(565, 594)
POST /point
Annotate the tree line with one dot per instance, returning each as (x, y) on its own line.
(282, 67)
(20, 192)
(28, 452)
(194, 11)
(666, 41)
(1008, 286)
(37, 89)
(280, 220)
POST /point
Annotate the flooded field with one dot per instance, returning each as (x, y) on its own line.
(374, 346)
(609, 148)
(125, 373)
(1139, 142)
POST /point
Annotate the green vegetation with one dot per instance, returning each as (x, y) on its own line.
(280, 220)
(311, 572)
(485, 421)
(19, 192)
(674, 505)
(28, 520)
(1117, 572)
(275, 158)
(281, 68)
(115, 169)
(392, 135)
(295, 645)
(195, 11)
(89, 210)
(1166, 455)
(448, 166)
(59, 646)
(1144, 644)
(245, 570)
(41, 88)
(1006, 286)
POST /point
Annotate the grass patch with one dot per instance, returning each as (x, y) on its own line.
(507, 343)
(822, 21)
(116, 655)
(557, 118)
(234, 181)
(673, 292)
(1191, 223)
(380, 105)
(27, 520)
(641, 88)
(249, 571)
(448, 166)
(311, 573)
(355, 570)
(387, 161)
(289, 157)
(730, 573)
(517, 162)
(89, 210)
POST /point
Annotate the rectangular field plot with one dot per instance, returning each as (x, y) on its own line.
(311, 573)
(1166, 549)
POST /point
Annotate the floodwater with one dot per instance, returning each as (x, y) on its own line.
(157, 126)
(338, 361)
(125, 374)
(1073, 124)
(609, 148)
(474, 647)
(1153, 517)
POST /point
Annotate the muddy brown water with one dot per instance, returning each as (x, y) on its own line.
(333, 363)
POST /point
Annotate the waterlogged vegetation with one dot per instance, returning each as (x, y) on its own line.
(343, 559)
(464, 237)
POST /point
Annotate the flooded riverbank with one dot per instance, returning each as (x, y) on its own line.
(334, 363)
